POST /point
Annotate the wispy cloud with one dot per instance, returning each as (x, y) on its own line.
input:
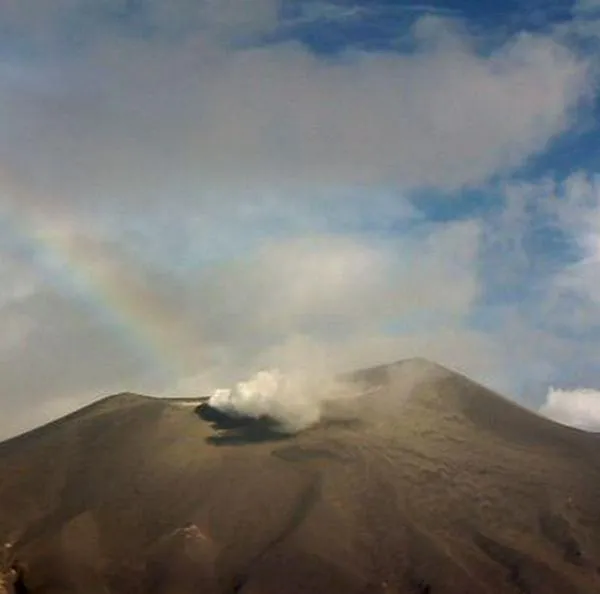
(335, 12)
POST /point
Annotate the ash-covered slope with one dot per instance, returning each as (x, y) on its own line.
(429, 484)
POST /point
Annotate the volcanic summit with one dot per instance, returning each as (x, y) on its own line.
(418, 481)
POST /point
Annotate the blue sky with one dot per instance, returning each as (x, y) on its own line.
(193, 191)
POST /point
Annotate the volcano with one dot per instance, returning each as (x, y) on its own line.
(419, 482)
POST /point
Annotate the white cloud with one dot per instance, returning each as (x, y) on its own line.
(567, 209)
(141, 119)
(328, 283)
(536, 268)
(578, 408)
(578, 215)
(441, 117)
(250, 202)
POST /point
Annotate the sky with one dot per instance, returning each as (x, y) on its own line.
(195, 190)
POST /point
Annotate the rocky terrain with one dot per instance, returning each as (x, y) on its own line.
(427, 483)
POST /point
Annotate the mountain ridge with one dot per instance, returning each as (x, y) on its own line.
(427, 482)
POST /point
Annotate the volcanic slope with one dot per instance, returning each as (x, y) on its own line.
(426, 484)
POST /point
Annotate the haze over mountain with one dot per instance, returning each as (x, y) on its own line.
(414, 480)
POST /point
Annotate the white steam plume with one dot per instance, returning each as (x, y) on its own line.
(294, 400)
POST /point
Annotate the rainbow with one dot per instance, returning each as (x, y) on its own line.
(114, 292)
